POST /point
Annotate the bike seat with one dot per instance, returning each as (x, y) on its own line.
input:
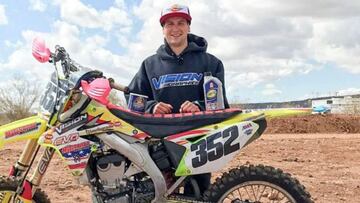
(163, 125)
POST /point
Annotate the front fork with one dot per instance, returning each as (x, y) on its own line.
(27, 188)
(25, 159)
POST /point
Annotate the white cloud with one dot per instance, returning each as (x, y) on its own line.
(349, 91)
(253, 48)
(270, 90)
(257, 41)
(37, 5)
(75, 12)
(3, 18)
(15, 45)
(339, 42)
(89, 52)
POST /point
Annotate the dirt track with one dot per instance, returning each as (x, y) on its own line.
(327, 164)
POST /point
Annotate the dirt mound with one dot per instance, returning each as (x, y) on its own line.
(329, 123)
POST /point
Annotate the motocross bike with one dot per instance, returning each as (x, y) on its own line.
(124, 156)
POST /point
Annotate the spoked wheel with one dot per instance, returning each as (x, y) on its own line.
(257, 184)
(257, 192)
(7, 192)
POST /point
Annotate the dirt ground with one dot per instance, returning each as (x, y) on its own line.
(328, 123)
(322, 152)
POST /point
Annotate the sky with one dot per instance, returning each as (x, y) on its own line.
(272, 50)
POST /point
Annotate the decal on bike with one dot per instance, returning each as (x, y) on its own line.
(72, 124)
(211, 148)
(77, 156)
(247, 129)
(99, 129)
(93, 121)
(66, 139)
(75, 147)
(77, 152)
(47, 100)
(22, 130)
(45, 160)
(48, 138)
(214, 149)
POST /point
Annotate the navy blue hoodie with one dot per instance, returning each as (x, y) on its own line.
(165, 77)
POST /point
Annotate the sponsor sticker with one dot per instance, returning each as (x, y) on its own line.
(99, 129)
(103, 127)
(66, 139)
(72, 124)
(247, 129)
(22, 130)
(77, 156)
(247, 126)
(75, 147)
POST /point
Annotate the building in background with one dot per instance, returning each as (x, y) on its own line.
(349, 104)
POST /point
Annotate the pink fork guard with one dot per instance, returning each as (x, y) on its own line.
(40, 51)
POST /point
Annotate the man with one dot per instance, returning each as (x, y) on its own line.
(172, 79)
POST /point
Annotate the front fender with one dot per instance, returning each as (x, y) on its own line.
(24, 129)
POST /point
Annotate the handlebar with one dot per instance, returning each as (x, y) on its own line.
(70, 65)
(119, 87)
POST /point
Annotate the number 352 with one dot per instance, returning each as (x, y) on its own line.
(209, 150)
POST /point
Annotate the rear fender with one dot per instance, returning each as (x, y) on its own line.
(210, 148)
(24, 129)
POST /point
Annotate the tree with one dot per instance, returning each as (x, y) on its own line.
(18, 97)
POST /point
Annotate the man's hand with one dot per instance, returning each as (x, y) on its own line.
(162, 108)
(189, 107)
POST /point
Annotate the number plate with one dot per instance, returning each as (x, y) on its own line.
(48, 99)
(214, 151)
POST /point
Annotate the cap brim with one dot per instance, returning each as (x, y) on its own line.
(170, 15)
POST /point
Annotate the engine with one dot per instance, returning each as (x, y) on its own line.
(111, 169)
(117, 177)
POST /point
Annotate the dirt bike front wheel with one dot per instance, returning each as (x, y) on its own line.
(8, 187)
(255, 184)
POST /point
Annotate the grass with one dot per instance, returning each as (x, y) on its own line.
(275, 113)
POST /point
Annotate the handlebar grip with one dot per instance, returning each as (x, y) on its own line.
(119, 87)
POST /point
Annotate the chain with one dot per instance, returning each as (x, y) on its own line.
(174, 198)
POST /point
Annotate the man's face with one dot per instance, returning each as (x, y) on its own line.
(175, 31)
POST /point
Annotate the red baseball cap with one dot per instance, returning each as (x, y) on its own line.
(175, 10)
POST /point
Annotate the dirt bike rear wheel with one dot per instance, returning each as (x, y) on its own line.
(255, 184)
(8, 187)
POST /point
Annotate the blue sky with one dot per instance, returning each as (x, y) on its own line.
(273, 51)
